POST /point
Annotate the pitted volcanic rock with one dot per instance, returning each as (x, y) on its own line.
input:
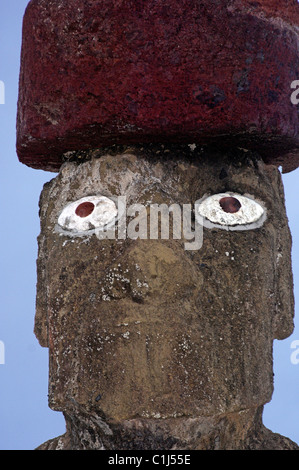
(100, 73)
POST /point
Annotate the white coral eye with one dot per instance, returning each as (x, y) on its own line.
(88, 213)
(230, 211)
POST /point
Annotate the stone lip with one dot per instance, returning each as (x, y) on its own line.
(99, 73)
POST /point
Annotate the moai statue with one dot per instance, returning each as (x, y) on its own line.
(161, 342)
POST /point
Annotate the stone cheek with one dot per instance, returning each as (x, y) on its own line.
(101, 73)
(154, 330)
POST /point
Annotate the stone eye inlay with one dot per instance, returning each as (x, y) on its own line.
(88, 213)
(85, 209)
(231, 210)
(230, 204)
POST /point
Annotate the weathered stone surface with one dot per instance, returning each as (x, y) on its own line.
(242, 430)
(146, 335)
(125, 71)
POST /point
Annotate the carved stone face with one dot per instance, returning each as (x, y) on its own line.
(146, 327)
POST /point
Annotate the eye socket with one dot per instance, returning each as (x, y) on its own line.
(88, 213)
(230, 211)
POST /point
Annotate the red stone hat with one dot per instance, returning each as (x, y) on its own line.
(102, 72)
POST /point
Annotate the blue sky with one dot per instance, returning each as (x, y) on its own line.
(26, 421)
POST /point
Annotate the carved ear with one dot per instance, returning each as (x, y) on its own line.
(41, 314)
(283, 319)
(41, 317)
(283, 323)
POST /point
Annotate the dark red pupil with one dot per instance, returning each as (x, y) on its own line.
(85, 209)
(230, 204)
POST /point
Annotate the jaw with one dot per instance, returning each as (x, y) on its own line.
(241, 430)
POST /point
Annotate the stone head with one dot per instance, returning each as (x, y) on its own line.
(145, 327)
